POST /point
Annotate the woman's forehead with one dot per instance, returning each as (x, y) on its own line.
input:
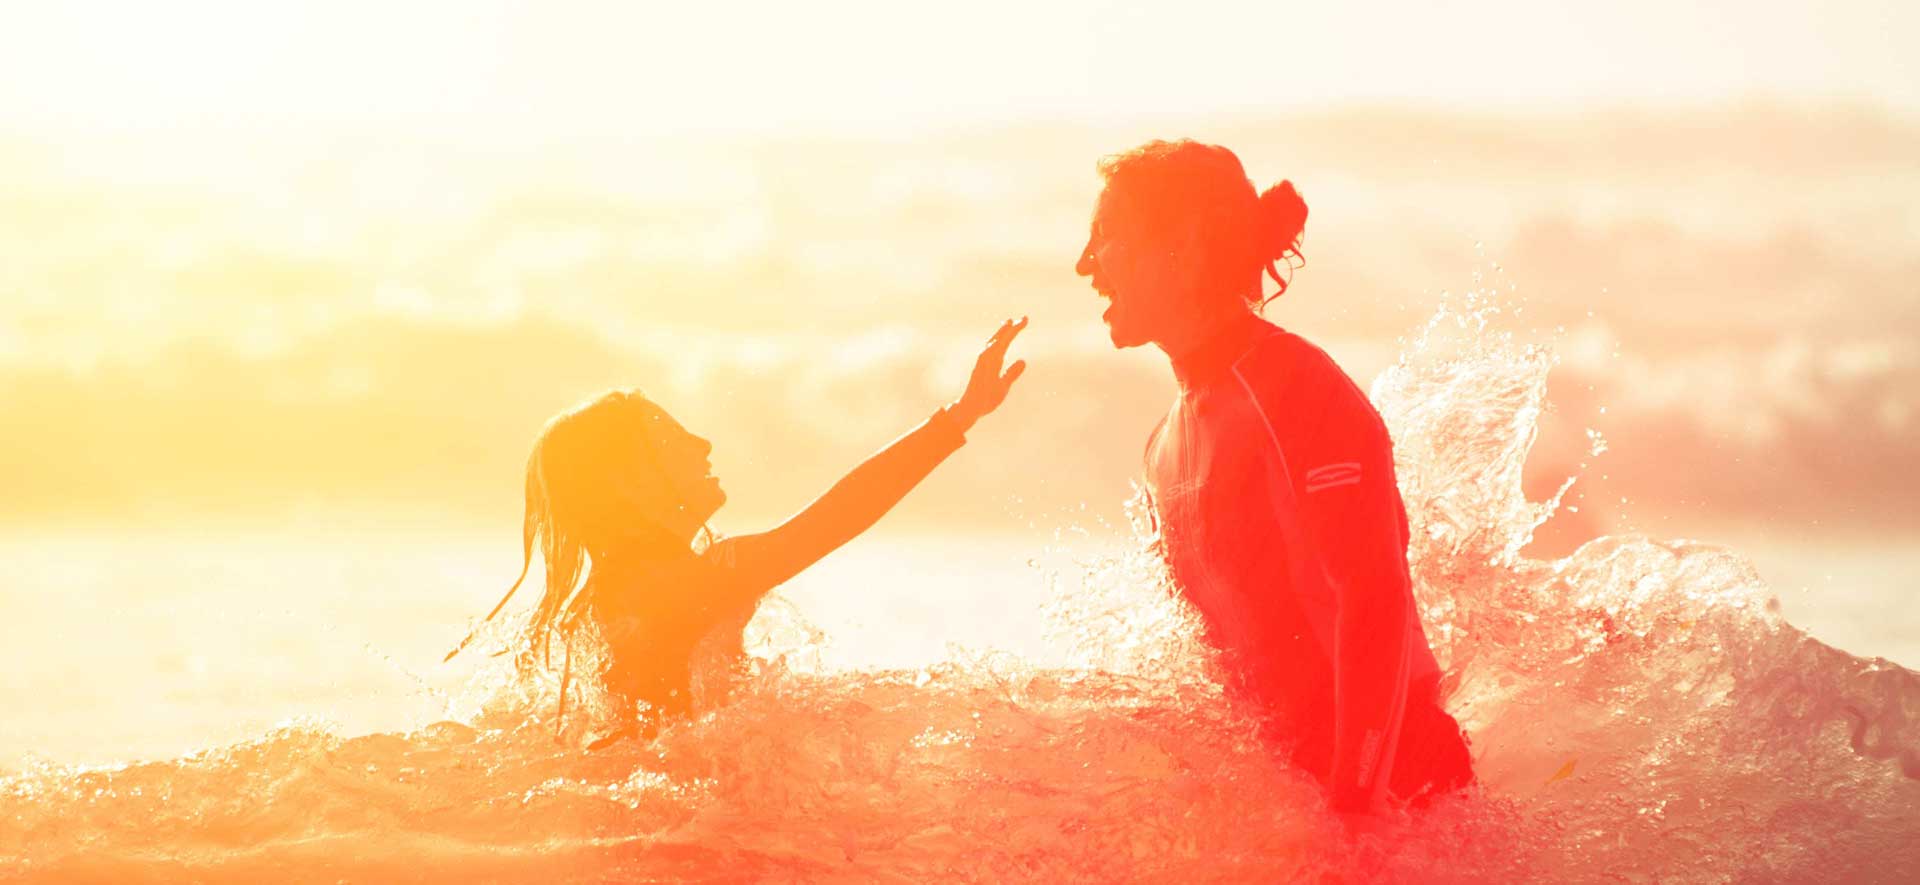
(1112, 218)
(1103, 209)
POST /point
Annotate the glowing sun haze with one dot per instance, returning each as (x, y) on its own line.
(324, 269)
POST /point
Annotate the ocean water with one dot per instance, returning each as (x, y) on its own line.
(186, 707)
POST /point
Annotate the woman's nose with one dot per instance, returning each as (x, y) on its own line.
(1085, 265)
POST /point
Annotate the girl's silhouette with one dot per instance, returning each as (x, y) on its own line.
(618, 495)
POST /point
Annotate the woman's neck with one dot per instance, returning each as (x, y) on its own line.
(1214, 346)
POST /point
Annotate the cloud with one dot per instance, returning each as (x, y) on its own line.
(389, 415)
(302, 341)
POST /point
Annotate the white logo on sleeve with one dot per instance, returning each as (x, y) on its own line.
(1345, 473)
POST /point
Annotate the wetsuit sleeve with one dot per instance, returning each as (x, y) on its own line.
(1357, 525)
(760, 562)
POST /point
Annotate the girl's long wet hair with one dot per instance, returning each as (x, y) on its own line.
(579, 507)
(1170, 187)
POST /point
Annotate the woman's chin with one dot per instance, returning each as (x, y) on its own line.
(1123, 337)
(1120, 328)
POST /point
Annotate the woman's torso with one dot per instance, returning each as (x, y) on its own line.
(1218, 493)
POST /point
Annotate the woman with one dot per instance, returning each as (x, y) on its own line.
(618, 495)
(1272, 479)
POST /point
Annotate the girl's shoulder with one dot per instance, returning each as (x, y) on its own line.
(735, 569)
(723, 568)
(722, 554)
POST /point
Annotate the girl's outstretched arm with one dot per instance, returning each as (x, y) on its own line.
(763, 561)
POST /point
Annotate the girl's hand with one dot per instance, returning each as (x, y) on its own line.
(988, 387)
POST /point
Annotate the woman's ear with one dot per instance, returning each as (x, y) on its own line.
(1198, 243)
(1189, 256)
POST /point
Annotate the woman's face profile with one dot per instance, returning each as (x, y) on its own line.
(1139, 276)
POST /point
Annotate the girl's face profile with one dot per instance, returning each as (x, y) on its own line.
(679, 459)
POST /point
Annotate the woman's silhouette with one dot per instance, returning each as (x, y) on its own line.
(1272, 478)
(618, 495)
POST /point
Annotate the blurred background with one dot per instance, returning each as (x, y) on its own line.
(286, 292)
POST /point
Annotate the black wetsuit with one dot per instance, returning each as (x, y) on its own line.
(1272, 479)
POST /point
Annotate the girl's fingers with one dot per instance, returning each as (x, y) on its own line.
(995, 354)
(1007, 330)
(1003, 338)
(1013, 374)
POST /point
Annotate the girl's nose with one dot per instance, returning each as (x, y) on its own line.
(1085, 266)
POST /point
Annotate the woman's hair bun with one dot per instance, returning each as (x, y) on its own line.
(1283, 218)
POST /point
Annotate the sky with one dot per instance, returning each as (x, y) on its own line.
(559, 70)
(258, 255)
(325, 269)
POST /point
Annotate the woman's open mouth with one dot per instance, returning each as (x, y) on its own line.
(1103, 290)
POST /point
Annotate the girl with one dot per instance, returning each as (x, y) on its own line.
(618, 497)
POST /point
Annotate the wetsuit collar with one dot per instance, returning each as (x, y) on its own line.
(1211, 360)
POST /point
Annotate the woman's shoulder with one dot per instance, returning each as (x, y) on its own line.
(1287, 362)
(1300, 376)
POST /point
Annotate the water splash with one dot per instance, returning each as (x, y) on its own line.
(1638, 711)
